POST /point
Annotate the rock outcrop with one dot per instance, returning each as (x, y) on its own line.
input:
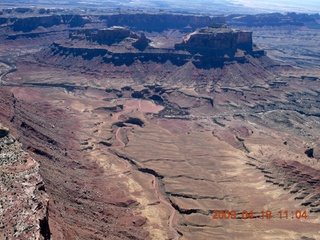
(24, 202)
(217, 41)
(107, 36)
(209, 47)
(244, 40)
(110, 35)
(316, 152)
(142, 43)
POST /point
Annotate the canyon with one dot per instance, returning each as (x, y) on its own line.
(142, 125)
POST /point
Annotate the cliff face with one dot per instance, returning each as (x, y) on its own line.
(160, 22)
(216, 41)
(106, 36)
(212, 47)
(29, 20)
(57, 51)
(111, 35)
(142, 43)
(244, 40)
(210, 41)
(29, 24)
(23, 203)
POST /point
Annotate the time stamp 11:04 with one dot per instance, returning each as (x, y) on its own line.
(264, 214)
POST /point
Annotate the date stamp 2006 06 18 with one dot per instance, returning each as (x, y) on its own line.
(264, 214)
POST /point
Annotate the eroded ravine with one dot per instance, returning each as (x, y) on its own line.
(154, 183)
(164, 201)
(6, 69)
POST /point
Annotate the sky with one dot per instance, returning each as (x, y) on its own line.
(201, 6)
(309, 6)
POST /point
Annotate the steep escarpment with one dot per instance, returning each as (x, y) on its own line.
(34, 29)
(218, 44)
(110, 36)
(24, 203)
(217, 41)
(32, 18)
(74, 183)
(28, 24)
(32, 22)
(161, 21)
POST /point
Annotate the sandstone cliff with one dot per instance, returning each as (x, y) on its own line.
(28, 24)
(216, 41)
(106, 36)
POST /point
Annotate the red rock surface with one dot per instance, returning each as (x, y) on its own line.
(150, 149)
(83, 203)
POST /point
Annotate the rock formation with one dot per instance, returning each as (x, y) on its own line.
(205, 48)
(24, 202)
(110, 35)
(142, 43)
(217, 41)
(31, 23)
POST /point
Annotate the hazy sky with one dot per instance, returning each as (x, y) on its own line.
(208, 6)
(309, 6)
(282, 5)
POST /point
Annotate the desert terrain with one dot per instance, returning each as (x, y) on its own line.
(127, 126)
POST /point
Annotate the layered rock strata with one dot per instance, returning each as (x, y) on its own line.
(205, 48)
